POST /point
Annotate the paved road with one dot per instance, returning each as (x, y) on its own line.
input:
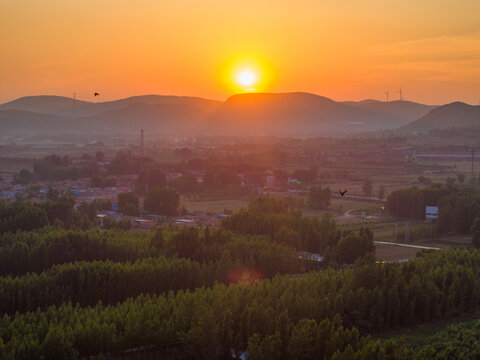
(358, 197)
(408, 245)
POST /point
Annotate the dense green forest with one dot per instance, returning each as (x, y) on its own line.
(456, 342)
(198, 293)
(24, 252)
(242, 259)
(327, 314)
(276, 219)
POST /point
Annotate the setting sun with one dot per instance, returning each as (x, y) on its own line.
(247, 71)
(247, 79)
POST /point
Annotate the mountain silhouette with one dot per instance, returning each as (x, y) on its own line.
(64, 106)
(293, 114)
(45, 104)
(20, 121)
(281, 114)
(168, 118)
(398, 112)
(456, 114)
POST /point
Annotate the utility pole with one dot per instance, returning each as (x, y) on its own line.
(400, 92)
(141, 142)
(74, 101)
(407, 233)
(396, 233)
(387, 96)
(473, 157)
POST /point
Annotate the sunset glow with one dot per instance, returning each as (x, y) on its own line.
(346, 52)
(206, 179)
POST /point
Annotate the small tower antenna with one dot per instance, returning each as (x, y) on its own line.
(400, 92)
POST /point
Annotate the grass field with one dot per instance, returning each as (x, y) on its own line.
(459, 241)
(392, 252)
(214, 206)
(14, 165)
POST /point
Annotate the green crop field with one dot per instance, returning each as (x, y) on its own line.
(214, 206)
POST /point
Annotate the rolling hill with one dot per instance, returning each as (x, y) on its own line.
(400, 112)
(159, 118)
(26, 120)
(45, 104)
(284, 114)
(453, 115)
(293, 114)
(64, 106)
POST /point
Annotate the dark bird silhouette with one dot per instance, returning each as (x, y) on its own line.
(342, 193)
(96, 94)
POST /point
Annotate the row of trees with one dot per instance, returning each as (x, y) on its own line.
(457, 209)
(102, 181)
(319, 198)
(24, 252)
(319, 315)
(59, 168)
(58, 210)
(161, 201)
(410, 203)
(110, 282)
(21, 216)
(274, 218)
(241, 260)
(457, 212)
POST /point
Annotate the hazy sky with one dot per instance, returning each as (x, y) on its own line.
(342, 49)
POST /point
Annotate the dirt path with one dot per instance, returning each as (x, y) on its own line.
(347, 215)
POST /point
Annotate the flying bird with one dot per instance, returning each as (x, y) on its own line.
(96, 94)
(342, 193)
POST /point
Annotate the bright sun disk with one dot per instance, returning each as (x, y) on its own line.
(246, 78)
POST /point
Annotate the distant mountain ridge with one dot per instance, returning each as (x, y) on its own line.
(403, 111)
(297, 113)
(44, 104)
(30, 121)
(285, 114)
(64, 106)
(456, 114)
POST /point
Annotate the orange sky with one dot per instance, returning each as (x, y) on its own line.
(344, 49)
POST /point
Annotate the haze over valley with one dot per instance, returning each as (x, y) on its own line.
(281, 114)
